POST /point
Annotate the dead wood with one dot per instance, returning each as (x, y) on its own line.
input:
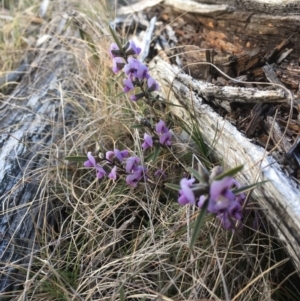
(33, 118)
(279, 196)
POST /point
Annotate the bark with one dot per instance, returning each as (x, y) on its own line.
(279, 196)
(32, 119)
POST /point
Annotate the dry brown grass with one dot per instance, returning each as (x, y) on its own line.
(104, 241)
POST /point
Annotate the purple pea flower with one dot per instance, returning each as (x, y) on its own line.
(186, 193)
(230, 216)
(113, 173)
(152, 85)
(142, 72)
(100, 172)
(235, 210)
(165, 139)
(161, 128)
(131, 67)
(148, 142)
(160, 173)
(225, 222)
(202, 199)
(121, 155)
(91, 162)
(221, 196)
(133, 179)
(118, 64)
(131, 48)
(114, 51)
(132, 164)
(136, 69)
(128, 85)
(110, 155)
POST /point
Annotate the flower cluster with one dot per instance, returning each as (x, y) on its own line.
(122, 165)
(162, 132)
(137, 73)
(222, 202)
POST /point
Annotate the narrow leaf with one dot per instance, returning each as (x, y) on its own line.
(172, 186)
(76, 158)
(116, 38)
(198, 224)
(229, 173)
(195, 173)
(122, 293)
(156, 153)
(249, 187)
(137, 126)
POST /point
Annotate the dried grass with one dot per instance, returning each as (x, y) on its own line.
(104, 241)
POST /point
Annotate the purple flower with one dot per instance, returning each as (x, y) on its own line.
(225, 222)
(160, 173)
(137, 96)
(91, 162)
(230, 216)
(100, 171)
(110, 155)
(133, 179)
(128, 85)
(118, 64)
(161, 128)
(131, 68)
(113, 173)
(132, 164)
(165, 139)
(240, 198)
(202, 199)
(221, 196)
(142, 72)
(121, 155)
(186, 194)
(148, 142)
(131, 48)
(135, 69)
(114, 51)
(152, 85)
(235, 210)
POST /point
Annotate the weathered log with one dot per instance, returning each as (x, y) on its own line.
(279, 196)
(32, 119)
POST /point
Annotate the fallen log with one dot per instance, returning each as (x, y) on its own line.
(33, 118)
(279, 196)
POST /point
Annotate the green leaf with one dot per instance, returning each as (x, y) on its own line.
(172, 186)
(198, 224)
(81, 33)
(229, 172)
(153, 156)
(122, 293)
(195, 173)
(156, 152)
(116, 38)
(249, 187)
(76, 158)
(137, 126)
